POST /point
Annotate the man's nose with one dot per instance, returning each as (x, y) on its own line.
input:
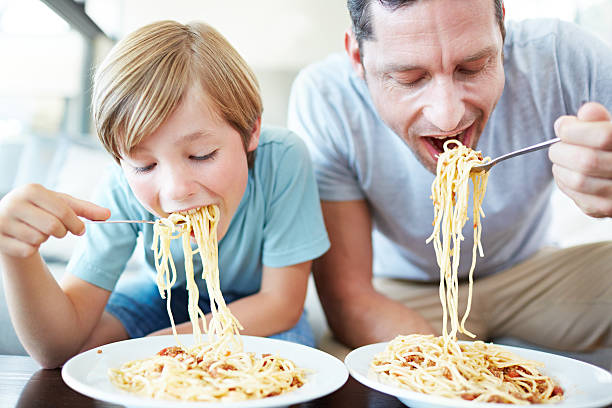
(444, 107)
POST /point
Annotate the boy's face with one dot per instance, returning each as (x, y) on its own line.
(193, 159)
(434, 70)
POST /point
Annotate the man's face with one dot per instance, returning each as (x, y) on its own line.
(193, 159)
(434, 71)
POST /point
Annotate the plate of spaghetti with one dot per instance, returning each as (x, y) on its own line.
(318, 372)
(215, 365)
(583, 385)
(440, 371)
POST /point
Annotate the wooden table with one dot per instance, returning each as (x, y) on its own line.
(24, 384)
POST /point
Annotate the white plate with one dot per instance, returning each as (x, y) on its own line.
(584, 385)
(87, 372)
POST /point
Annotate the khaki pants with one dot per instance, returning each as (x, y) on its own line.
(558, 299)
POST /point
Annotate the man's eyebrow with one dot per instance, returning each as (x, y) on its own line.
(485, 52)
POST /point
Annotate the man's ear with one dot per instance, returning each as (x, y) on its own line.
(254, 141)
(351, 45)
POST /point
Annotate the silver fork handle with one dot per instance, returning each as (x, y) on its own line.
(538, 146)
(119, 222)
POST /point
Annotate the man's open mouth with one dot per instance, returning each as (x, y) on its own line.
(436, 144)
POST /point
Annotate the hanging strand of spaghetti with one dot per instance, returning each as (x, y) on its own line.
(216, 369)
(441, 365)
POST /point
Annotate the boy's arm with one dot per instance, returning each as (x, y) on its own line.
(357, 314)
(277, 307)
(51, 323)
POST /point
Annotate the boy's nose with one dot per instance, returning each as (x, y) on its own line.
(178, 185)
(444, 106)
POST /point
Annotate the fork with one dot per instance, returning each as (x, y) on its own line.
(119, 222)
(487, 166)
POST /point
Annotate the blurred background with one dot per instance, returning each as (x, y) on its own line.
(50, 47)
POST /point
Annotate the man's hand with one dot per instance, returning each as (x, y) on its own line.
(582, 162)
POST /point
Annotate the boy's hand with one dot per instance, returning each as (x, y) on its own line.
(582, 162)
(29, 215)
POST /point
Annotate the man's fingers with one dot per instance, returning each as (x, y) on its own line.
(592, 134)
(578, 182)
(594, 206)
(591, 127)
(593, 112)
(584, 160)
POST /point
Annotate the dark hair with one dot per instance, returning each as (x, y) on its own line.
(362, 21)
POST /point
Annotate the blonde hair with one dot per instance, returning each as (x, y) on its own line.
(146, 74)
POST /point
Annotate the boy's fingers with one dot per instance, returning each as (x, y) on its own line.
(86, 209)
(16, 248)
(64, 209)
(45, 215)
(81, 208)
(30, 234)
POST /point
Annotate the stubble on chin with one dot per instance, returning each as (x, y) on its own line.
(420, 154)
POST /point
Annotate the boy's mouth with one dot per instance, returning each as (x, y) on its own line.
(189, 210)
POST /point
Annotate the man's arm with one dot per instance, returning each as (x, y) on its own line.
(355, 311)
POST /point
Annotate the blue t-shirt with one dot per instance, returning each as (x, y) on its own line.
(551, 69)
(278, 223)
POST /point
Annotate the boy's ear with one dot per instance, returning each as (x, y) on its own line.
(351, 45)
(254, 135)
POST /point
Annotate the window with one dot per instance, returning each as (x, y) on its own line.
(44, 88)
(594, 15)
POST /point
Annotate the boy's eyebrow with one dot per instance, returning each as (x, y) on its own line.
(485, 52)
(190, 137)
(196, 135)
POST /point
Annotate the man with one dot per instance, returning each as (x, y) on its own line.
(417, 73)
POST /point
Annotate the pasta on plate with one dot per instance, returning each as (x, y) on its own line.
(441, 365)
(216, 368)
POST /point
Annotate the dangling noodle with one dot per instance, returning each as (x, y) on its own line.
(441, 365)
(215, 369)
(450, 192)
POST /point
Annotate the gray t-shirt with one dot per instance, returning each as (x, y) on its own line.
(551, 69)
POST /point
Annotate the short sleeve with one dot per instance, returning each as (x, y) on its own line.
(103, 252)
(314, 115)
(585, 72)
(293, 229)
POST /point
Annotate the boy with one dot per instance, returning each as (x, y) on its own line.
(180, 111)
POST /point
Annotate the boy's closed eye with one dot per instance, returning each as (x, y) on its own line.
(208, 156)
(149, 167)
(144, 169)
